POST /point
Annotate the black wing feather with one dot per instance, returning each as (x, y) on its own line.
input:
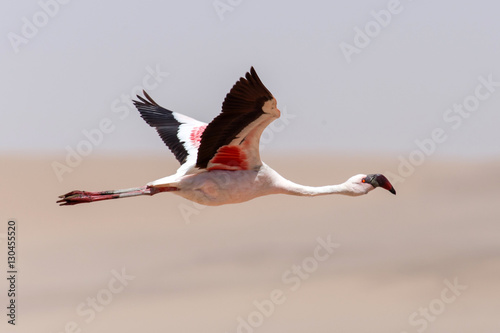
(165, 123)
(242, 105)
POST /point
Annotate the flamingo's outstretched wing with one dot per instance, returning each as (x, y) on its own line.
(231, 140)
(180, 133)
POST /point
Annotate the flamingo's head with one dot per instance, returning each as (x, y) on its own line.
(362, 184)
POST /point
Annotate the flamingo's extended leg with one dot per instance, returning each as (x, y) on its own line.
(77, 197)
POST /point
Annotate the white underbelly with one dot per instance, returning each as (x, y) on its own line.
(220, 187)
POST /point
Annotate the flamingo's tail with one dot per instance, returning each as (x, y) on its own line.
(77, 197)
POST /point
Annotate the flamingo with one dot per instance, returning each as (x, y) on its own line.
(220, 161)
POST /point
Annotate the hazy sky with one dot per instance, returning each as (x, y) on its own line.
(361, 76)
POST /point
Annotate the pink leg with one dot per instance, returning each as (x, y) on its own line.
(77, 197)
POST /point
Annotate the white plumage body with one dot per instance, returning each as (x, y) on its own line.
(219, 187)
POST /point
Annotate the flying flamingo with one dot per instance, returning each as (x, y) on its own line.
(220, 161)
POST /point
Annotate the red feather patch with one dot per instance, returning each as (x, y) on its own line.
(229, 158)
(195, 136)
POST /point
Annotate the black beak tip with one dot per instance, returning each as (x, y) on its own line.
(379, 180)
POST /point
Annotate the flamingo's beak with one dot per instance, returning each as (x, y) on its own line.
(379, 180)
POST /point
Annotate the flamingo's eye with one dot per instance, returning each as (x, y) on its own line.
(363, 180)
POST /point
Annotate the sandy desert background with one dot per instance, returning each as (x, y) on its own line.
(203, 271)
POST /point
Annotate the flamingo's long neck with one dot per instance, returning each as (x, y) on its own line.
(286, 186)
